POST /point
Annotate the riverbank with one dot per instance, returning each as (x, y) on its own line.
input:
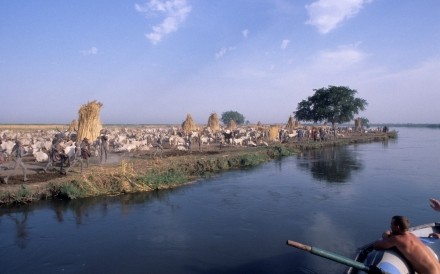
(137, 172)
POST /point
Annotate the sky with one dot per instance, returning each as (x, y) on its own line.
(155, 61)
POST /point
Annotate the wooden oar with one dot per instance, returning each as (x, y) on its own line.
(335, 257)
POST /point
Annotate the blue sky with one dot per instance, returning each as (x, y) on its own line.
(152, 62)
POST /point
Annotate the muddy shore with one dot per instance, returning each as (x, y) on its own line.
(140, 171)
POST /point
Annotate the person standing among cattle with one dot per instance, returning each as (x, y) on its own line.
(189, 143)
(17, 155)
(158, 146)
(85, 150)
(104, 144)
(56, 154)
(82, 153)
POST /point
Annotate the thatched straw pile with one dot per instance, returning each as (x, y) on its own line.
(291, 125)
(232, 125)
(358, 124)
(89, 124)
(73, 126)
(189, 125)
(214, 122)
(273, 133)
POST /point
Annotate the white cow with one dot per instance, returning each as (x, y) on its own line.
(40, 156)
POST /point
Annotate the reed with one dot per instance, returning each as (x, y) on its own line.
(232, 125)
(273, 133)
(189, 125)
(214, 122)
(89, 123)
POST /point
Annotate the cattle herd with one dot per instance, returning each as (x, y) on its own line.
(38, 143)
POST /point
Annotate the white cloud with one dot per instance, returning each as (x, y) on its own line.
(285, 43)
(222, 52)
(328, 14)
(245, 33)
(90, 51)
(341, 58)
(174, 11)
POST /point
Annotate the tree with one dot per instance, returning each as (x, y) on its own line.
(232, 115)
(332, 104)
(365, 122)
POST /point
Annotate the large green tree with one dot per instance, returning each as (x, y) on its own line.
(232, 115)
(333, 104)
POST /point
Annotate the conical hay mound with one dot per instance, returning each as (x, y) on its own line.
(358, 123)
(73, 126)
(232, 125)
(273, 133)
(189, 125)
(290, 124)
(214, 122)
(89, 123)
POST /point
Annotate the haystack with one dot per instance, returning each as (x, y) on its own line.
(232, 125)
(290, 124)
(89, 123)
(260, 126)
(73, 126)
(189, 125)
(273, 133)
(358, 124)
(214, 122)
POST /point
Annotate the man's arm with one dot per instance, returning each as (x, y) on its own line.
(435, 204)
(385, 243)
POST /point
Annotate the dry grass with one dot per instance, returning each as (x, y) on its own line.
(292, 124)
(214, 122)
(273, 133)
(232, 125)
(73, 126)
(89, 123)
(32, 127)
(189, 124)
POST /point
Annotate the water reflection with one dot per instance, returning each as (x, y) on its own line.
(20, 221)
(334, 165)
(80, 210)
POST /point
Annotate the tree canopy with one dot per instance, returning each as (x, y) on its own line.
(232, 115)
(335, 104)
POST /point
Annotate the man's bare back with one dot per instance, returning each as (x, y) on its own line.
(421, 258)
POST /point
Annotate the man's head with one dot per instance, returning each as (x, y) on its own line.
(399, 224)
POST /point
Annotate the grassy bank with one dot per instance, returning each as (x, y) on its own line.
(138, 174)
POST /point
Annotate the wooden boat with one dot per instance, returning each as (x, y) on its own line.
(390, 260)
(372, 261)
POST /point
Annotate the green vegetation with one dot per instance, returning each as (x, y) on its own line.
(158, 179)
(232, 115)
(365, 122)
(393, 134)
(332, 104)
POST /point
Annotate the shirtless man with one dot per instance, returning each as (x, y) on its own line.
(420, 257)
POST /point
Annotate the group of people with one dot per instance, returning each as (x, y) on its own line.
(56, 154)
(421, 258)
(17, 156)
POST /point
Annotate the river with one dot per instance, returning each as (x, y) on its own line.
(337, 199)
